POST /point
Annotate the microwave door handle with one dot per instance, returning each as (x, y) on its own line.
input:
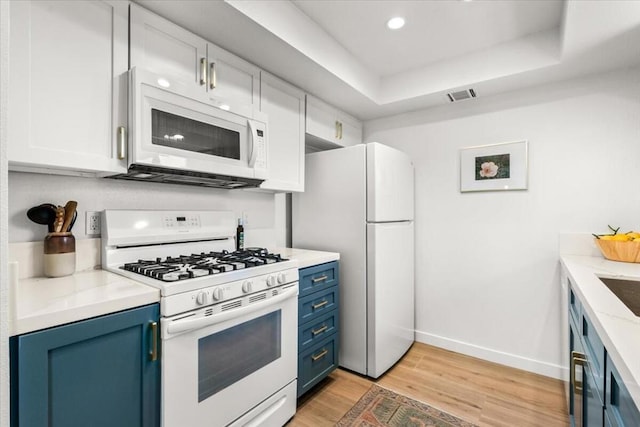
(254, 136)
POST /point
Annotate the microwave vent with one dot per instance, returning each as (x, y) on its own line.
(148, 173)
(461, 95)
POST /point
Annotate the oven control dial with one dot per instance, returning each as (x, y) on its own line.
(218, 294)
(247, 286)
(282, 278)
(271, 281)
(201, 298)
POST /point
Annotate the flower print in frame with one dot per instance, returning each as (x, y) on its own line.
(494, 167)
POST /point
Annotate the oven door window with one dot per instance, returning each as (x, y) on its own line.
(235, 353)
(170, 130)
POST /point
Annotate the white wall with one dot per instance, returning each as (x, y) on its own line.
(487, 281)
(92, 194)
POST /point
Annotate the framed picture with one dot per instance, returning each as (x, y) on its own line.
(496, 167)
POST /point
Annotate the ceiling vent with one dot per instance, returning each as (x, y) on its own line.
(461, 95)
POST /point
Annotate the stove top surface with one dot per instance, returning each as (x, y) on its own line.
(184, 267)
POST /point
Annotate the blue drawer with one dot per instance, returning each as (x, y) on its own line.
(318, 329)
(312, 306)
(316, 363)
(318, 277)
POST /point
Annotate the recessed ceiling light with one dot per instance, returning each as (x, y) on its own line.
(395, 23)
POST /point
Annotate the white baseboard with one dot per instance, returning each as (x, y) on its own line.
(507, 359)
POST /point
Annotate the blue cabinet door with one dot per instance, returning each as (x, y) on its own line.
(102, 372)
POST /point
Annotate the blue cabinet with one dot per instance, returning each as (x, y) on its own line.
(318, 324)
(620, 410)
(597, 396)
(101, 372)
(586, 388)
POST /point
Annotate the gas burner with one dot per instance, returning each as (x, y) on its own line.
(182, 267)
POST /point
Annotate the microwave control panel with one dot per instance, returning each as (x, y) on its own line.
(261, 158)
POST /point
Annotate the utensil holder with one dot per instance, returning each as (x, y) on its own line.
(59, 254)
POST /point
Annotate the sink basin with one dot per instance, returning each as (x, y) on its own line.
(627, 291)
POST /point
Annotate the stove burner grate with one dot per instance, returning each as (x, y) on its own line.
(184, 267)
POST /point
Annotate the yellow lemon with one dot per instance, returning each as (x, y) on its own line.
(606, 237)
(621, 238)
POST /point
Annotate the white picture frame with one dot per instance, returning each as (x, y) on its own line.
(494, 167)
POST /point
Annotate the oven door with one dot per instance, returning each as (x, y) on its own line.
(239, 364)
(174, 126)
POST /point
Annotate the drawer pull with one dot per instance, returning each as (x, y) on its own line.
(576, 359)
(320, 355)
(321, 304)
(320, 279)
(315, 332)
(122, 142)
(153, 353)
(203, 71)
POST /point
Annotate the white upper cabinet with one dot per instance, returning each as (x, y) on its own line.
(67, 94)
(285, 106)
(328, 127)
(161, 46)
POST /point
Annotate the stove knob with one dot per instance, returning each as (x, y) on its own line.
(218, 294)
(247, 286)
(201, 298)
(282, 278)
(271, 281)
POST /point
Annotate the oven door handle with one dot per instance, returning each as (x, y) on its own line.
(186, 324)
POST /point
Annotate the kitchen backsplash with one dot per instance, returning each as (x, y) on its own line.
(263, 227)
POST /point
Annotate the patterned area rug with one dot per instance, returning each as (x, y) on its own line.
(382, 407)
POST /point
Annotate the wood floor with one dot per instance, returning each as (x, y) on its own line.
(484, 393)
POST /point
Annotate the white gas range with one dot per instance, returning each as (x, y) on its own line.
(228, 318)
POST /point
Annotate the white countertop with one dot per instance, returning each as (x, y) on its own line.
(616, 325)
(305, 257)
(45, 302)
(42, 302)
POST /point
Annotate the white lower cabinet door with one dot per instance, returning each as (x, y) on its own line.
(390, 294)
(67, 94)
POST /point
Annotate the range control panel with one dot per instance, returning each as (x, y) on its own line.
(181, 221)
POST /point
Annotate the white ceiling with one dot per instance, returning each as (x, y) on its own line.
(341, 51)
(434, 30)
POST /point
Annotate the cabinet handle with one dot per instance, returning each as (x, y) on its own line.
(203, 71)
(153, 353)
(213, 77)
(340, 123)
(320, 355)
(122, 142)
(322, 304)
(576, 359)
(315, 332)
(320, 279)
(337, 129)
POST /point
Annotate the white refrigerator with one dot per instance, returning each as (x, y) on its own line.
(358, 201)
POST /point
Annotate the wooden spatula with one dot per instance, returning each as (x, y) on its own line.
(69, 211)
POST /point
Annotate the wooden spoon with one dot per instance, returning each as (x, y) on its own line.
(69, 211)
(59, 219)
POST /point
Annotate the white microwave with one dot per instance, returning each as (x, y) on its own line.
(178, 136)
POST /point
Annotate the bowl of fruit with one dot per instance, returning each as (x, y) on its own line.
(616, 246)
